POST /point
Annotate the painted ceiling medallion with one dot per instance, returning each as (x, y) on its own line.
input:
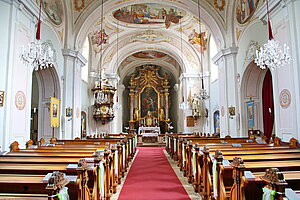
(219, 4)
(54, 10)
(20, 100)
(149, 13)
(285, 98)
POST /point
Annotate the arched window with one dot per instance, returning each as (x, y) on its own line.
(212, 52)
(85, 53)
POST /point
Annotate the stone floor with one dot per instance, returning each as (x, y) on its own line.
(188, 187)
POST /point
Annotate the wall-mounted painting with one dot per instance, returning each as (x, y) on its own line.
(250, 114)
(1, 98)
(245, 10)
(149, 102)
(54, 10)
(149, 54)
(149, 13)
(217, 121)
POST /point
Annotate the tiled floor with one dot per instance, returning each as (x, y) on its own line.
(188, 187)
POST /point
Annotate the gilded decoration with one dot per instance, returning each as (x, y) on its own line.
(149, 100)
(196, 38)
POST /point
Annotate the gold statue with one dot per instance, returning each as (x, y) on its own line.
(149, 118)
(162, 114)
(136, 114)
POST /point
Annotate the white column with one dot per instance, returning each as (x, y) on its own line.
(72, 93)
(116, 124)
(228, 90)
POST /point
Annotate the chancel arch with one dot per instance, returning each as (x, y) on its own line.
(150, 96)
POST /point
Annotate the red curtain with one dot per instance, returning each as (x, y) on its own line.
(268, 105)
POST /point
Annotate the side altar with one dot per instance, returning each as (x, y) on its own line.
(149, 99)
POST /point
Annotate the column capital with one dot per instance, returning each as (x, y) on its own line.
(74, 54)
(112, 76)
(225, 53)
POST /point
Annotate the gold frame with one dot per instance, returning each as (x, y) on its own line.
(69, 111)
(139, 101)
(1, 98)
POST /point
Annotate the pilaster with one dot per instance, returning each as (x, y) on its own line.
(73, 61)
(228, 90)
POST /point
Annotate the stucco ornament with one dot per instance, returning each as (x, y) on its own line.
(219, 4)
(251, 51)
(285, 98)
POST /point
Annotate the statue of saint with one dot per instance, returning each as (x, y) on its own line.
(149, 118)
(161, 114)
(136, 114)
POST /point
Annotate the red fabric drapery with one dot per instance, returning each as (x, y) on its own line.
(268, 105)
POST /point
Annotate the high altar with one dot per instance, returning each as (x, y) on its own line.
(149, 99)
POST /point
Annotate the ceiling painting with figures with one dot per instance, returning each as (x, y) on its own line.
(149, 13)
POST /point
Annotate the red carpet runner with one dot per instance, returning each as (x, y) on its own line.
(151, 177)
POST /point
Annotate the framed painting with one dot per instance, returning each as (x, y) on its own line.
(250, 114)
(54, 112)
(149, 101)
(217, 121)
(1, 98)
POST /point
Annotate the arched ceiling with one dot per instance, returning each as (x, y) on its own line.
(132, 27)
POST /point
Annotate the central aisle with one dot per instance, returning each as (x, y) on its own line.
(151, 177)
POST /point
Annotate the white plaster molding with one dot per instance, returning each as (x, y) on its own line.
(224, 53)
(191, 76)
(76, 55)
(274, 7)
(112, 76)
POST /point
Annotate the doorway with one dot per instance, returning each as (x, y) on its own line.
(268, 105)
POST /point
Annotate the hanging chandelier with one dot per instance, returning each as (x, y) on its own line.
(271, 55)
(40, 55)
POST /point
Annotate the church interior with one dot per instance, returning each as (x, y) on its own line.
(149, 100)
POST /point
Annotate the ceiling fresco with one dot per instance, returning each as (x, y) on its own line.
(54, 10)
(245, 10)
(79, 6)
(149, 55)
(149, 13)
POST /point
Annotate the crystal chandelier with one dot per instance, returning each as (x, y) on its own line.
(39, 55)
(271, 55)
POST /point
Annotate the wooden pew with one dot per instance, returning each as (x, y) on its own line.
(34, 184)
(114, 169)
(203, 185)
